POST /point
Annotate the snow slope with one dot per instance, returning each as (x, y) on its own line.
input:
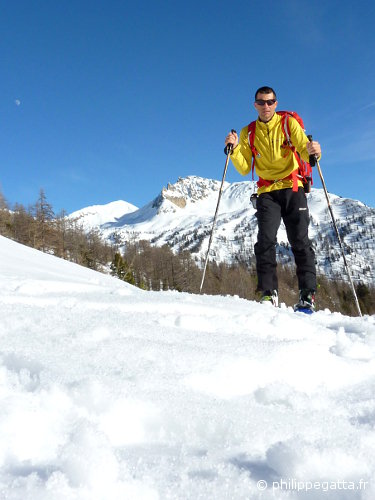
(109, 392)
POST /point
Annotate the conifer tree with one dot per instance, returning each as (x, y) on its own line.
(121, 269)
(44, 221)
(5, 216)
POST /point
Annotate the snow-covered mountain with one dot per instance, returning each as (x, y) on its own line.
(97, 215)
(182, 216)
(109, 392)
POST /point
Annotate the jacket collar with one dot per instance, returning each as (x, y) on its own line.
(271, 123)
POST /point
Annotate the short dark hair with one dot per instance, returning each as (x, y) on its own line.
(265, 90)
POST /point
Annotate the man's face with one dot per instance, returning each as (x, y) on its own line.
(266, 105)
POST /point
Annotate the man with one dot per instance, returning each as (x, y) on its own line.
(280, 195)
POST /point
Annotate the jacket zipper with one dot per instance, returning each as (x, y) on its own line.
(270, 142)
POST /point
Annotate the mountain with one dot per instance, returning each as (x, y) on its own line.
(182, 214)
(97, 215)
(110, 392)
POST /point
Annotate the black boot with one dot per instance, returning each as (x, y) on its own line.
(306, 302)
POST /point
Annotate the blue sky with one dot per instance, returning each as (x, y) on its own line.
(108, 100)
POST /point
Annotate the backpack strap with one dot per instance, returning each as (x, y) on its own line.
(304, 167)
(301, 173)
(294, 176)
(254, 153)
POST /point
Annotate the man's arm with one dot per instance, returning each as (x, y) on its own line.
(301, 142)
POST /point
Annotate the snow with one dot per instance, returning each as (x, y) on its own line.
(110, 392)
(97, 215)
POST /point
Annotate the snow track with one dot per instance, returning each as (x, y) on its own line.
(108, 392)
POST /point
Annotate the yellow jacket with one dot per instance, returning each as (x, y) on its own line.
(274, 162)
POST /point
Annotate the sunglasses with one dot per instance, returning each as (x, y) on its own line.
(262, 102)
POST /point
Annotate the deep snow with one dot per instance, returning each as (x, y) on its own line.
(109, 392)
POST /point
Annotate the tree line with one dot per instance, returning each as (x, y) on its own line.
(37, 226)
(159, 268)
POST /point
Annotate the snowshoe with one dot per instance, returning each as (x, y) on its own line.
(306, 302)
(270, 297)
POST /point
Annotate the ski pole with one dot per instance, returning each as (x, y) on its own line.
(313, 160)
(228, 151)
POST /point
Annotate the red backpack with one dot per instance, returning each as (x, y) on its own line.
(304, 172)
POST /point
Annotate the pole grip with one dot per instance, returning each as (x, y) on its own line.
(229, 147)
(312, 158)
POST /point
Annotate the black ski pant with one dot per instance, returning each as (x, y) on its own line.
(292, 207)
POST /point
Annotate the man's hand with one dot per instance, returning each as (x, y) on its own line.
(313, 148)
(232, 138)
